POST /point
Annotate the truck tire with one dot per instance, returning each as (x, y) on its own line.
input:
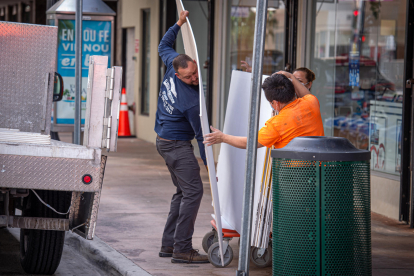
(41, 250)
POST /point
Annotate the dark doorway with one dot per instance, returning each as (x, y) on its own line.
(407, 160)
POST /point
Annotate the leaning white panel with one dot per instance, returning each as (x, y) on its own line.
(191, 50)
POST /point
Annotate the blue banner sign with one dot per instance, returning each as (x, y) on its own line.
(96, 40)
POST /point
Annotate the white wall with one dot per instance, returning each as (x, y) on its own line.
(132, 18)
(385, 196)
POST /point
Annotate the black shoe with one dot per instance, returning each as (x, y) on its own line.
(191, 256)
(166, 251)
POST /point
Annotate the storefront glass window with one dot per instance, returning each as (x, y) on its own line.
(358, 58)
(240, 38)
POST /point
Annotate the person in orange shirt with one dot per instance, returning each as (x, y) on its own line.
(299, 115)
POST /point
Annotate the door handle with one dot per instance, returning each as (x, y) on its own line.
(409, 83)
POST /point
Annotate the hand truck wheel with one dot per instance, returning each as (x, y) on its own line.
(214, 255)
(208, 240)
(261, 258)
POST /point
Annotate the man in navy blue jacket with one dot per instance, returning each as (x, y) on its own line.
(177, 123)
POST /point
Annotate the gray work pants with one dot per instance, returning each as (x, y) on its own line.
(185, 173)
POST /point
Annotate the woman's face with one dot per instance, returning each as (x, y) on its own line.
(301, 76)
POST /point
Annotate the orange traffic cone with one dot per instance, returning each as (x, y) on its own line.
(123, 128)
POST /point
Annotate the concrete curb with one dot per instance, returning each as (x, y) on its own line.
(98, 253)
(105, 257)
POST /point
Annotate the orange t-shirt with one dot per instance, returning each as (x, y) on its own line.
(301, 117)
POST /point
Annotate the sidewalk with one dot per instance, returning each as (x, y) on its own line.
(135, 203)
(134, 207)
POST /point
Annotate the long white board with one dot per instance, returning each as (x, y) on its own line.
(190, 48)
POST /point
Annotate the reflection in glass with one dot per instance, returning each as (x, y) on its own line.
(358, 59)
(241, 24)
(242, 38)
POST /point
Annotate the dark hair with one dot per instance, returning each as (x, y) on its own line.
(279, 88)
(180, 61)
(310, 75)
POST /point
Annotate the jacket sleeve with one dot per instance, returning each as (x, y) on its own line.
(193, 116)
(165, 49)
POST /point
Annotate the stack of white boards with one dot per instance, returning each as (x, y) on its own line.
(232, 161)
(17, 136)
(263, 224)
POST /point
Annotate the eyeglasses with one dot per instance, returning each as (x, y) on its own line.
(304, 83)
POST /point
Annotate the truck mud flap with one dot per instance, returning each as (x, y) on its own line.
(84, 210)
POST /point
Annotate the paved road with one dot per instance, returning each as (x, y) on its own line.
(71, 264)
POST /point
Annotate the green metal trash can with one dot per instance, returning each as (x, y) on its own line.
(321, 208)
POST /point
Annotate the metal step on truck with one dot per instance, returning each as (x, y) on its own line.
(48, 187)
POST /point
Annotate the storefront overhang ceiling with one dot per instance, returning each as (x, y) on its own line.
(90, 7)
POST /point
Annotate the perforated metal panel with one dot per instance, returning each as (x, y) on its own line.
(296, 228)
(27, 65)
(346, 218)
(321, 218)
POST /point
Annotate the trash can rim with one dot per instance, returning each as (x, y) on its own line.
(321, 148)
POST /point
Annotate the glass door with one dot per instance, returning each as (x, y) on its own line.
(240, 38)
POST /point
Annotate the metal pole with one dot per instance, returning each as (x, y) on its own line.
(248, 198)
(78, 72)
